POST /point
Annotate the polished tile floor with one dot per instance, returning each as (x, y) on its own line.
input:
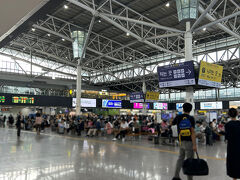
(51, 156)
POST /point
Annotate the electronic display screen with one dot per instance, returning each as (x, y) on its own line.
(22, 100)
(2, 99)
(111, 103)
(139, 105)
(179, 106)
(161, 106)
(85, 102)
(211, 105)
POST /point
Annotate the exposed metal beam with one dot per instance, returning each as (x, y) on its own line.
(218, 21)
(203, 14)
(52, 32)
(164, 36)
(138, 37)
(219, 25)
(142, 22)
(115, 59)
(87, 40)
(65, 61)
(37, 65)
(104, 55)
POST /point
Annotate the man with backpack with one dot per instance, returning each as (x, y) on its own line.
(187, 139)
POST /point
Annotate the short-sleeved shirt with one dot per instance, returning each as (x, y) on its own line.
(177, 121)
(124, 125)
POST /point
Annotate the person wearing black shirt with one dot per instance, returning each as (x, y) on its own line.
(187, 139)
(232, 130)
(18, 124)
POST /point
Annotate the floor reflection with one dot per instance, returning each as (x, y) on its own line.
(50, 157)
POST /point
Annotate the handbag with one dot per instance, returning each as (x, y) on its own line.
(195, 167)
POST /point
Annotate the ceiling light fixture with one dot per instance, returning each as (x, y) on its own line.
(99, 21)
(63, 39)
(168, 4)
(65, 6)
(33, 29)
(204, 29)
(48, 35)
(127, 34)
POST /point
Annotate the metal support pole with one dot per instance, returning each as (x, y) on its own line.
(79, 90)
(188, 57)
(31, 61)
(144, 89)
(79, 69)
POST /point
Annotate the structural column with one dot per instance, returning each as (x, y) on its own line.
(189, 57)
(79, 89)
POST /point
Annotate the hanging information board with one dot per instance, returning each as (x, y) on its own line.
(136, 97)
(181, 74)
(152, 96)
(210, 74)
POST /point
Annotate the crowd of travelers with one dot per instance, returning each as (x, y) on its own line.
(118, 126)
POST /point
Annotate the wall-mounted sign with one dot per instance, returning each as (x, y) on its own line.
(111, 103)
(211, 105)
(152, 96)
(139, 105)
(87, 103)
(179, 106)
(161, 106)
(181, 74)
(22, 100)
(210, 74)
(136, 97)
(2, 99)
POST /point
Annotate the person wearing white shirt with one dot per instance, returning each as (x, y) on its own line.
(122, 131)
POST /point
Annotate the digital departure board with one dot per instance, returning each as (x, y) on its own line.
(2, 99)
(22, 100)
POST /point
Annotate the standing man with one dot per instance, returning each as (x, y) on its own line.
(18, 124)
(187, 139)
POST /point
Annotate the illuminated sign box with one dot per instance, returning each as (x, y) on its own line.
(2, 99)
(22, 100)
(85, 102)
(160, 106)
(140, 105)
(211, 105)
(111, 103)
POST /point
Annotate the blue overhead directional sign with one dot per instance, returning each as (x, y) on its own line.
(181, 74)
(136, 97)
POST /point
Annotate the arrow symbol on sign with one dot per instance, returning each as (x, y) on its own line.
(188, 72)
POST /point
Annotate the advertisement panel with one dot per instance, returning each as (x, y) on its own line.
(210, 74)
(160, 106)
(139, 105)
(179, 106)
(211, 105)
(152, 96)
(181, 74)
(111, 103)
(136, 97)
(87, 103)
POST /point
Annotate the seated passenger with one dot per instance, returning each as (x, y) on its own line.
(198, 132)
(122, 131)
(109, 127)
(93, 129)
(136, 126)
